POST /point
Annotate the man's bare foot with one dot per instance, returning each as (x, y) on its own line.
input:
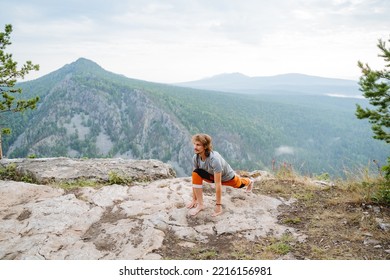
(217, 211)
(249, 187)
(195, 211)
(192, 204)
(216, 214)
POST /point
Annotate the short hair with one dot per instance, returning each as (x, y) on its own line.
(206, 141)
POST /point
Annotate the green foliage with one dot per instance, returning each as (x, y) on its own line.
(377, 191)
(9, 74)
(295, 220)
(375, 85)
(282, 246)
(115, 178)
(386, 169)
(376, 88)
(367, 185)
(10, 172)
(382, 195)
(6, 130)
(323, 177)
(204, 253)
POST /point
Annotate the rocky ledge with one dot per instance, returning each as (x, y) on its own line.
(43, 221)
(48, 170)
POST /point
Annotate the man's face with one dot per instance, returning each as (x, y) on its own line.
(198, 147)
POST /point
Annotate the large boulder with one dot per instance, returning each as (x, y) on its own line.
(134, 220)
(124, 222)
(46, 170)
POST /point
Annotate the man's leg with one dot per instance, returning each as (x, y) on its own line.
(197, 194)
(240, 182)
(204, 175)
(199, 201)
(192, 204)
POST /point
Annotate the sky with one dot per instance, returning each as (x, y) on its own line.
(171, 41)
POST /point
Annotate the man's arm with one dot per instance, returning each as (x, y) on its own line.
(218, 193)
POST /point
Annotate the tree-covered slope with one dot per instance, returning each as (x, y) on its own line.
(86, 111)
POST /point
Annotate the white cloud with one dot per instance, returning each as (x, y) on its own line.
(345, 96)
(172, 41)
(284, 150)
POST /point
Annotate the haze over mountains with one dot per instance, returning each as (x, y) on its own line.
(86, 111)
(292, 83)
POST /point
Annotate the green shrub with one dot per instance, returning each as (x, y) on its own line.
(382, 193)
(10, 172)
(115, 178)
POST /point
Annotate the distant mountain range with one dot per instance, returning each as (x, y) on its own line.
(86, 111)
(280, 84)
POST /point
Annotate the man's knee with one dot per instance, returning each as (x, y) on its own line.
(204, 174)
(196, 179)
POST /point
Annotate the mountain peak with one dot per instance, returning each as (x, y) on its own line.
(81, 65)
(84, 64)
(235, 75)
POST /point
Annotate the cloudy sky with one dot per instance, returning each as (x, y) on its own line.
(182, 40)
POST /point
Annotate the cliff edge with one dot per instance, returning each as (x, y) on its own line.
(138, 220)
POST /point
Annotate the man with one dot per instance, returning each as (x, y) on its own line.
(210, 166)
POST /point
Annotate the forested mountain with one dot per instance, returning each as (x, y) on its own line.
(85, 111)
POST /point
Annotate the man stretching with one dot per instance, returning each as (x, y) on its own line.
(210, 166)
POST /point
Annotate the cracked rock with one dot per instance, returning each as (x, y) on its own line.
(123, 222)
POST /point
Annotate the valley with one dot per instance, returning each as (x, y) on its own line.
(88, 112)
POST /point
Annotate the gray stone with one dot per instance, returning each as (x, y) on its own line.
(122, 222)
(46, 170)
(384, 226)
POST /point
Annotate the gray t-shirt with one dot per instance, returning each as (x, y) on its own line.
(214, 163)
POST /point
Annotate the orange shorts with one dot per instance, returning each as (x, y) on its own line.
(235, 182)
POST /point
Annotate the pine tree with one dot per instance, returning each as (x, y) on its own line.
(375, 85)
(9, 75)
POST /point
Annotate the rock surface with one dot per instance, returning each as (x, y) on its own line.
(46, 170)
(121, 222)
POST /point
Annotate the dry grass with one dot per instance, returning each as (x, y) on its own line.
(340, 222)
